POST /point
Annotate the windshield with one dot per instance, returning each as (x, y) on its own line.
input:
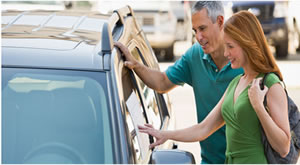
(55, 116)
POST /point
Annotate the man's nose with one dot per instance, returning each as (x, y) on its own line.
(199, 36)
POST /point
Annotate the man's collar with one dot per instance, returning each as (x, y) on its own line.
(208, 58)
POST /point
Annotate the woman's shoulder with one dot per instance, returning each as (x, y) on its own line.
(235, 80)
(271, 79)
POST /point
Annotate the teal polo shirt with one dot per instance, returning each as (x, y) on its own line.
(199, 71)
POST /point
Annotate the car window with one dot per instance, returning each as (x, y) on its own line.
(152, 108)
(135, 115)
(55, 116)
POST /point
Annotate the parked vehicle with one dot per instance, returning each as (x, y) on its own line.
(159, 23)
(279, 26)
(163, 22)
(67, 97)
(183, 13)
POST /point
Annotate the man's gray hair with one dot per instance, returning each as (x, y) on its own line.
(213, 8)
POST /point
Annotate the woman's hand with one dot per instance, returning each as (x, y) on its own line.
(159, 135)
(256, 95)
(275, 122)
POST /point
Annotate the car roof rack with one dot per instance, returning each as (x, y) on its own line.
(116, 23)
(14, 20)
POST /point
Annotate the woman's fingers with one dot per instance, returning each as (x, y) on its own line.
(152, 145)
(148, 128)
(145, 129)
(256, 94)
(255, 82)
(141, 127)
(149, 125)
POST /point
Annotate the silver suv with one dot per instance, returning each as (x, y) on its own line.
(67, 97)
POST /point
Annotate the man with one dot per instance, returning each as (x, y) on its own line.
(203, 66)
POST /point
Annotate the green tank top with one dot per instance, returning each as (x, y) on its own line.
(243, 136)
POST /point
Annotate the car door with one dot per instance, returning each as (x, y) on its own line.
(151, 106)
(134, 115)
(159, 100)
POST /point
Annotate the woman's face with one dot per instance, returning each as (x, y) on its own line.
(234, 52)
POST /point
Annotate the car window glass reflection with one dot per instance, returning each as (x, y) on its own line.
(129, 90)
(54, 119)
(152, 108)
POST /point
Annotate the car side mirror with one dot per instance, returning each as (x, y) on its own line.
(172, 157)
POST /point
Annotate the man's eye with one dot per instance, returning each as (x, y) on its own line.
(202, 28)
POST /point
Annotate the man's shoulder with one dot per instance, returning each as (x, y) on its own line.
(193, 54)
(233, 73)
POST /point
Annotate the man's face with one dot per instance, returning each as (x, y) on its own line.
(207, 33)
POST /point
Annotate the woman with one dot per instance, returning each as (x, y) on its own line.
(241, 107)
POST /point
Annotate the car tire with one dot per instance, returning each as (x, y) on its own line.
(282, 50)
(169, 56)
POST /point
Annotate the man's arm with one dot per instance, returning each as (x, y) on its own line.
(155, 79)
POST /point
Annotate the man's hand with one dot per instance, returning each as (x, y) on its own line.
(130, 62)
(152, 77)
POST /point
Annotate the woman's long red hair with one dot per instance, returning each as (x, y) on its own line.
(246, 29)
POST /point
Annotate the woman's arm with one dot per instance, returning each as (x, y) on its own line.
(276, 122)
(197, 132)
